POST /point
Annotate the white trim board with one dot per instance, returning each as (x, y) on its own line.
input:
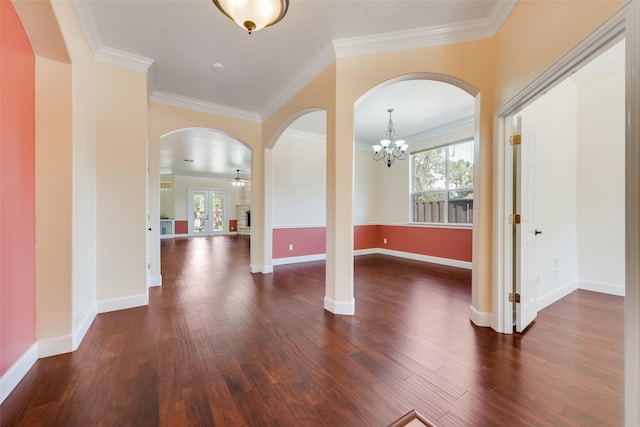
(17, 371)
(380, 251)
(603, 288)
(347, 308)
(133, 301)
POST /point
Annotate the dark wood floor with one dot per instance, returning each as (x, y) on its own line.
(219, 346)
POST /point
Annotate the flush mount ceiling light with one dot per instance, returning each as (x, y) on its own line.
(390, 148)
(238, 182)
(253, 15)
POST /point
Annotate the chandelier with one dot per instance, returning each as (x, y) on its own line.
(390, 148)
(238, 182)
(253, 15)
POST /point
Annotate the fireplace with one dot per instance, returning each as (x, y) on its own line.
(243, 214)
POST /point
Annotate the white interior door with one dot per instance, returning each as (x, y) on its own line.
(525, 192)
(207, 212)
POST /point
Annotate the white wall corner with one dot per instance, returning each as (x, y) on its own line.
(17, 371)
(155, 281)
(604, 288)
(81, 330)
(264, 269)
(556, 295)
(479, 318)
(340, 307)
(115, 304)
(55, 346)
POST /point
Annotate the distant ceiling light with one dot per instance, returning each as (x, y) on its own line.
(390, 148)
(218, 67)
(238, 182)
(253, 15)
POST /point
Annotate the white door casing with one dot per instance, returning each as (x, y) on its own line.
(525, 232)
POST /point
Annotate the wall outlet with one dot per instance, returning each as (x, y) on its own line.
(384, 240)
(290, 246)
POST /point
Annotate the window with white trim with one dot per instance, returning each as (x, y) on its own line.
(442, 184)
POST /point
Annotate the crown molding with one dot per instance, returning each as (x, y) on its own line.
(422, 37)
(89, 25)
(306, 75)
(124, 59)
(205, 107)
(107, 54)
(305, 135)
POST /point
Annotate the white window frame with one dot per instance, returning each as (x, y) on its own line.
(446, 190)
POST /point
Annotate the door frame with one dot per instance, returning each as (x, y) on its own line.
(225, 211)
(624, 24)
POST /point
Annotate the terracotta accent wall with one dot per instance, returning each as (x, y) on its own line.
(181, 226)
(17, 189)
(449, 243)
(305, 241)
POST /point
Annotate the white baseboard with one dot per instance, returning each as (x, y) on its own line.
(55, 346)
(106, 306)
(155, 281)
(557, 294)
(370, 251)
(382, 251)
(426, 258)
(17, 371)
(81, 330)
(605, 288)
(340, 307)
(480, 318)
(298, 259)
(264, 269)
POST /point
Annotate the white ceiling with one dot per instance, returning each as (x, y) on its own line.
(182, 39)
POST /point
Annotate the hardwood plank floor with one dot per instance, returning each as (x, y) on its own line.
(218, 346)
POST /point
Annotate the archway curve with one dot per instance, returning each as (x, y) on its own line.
(477, 317)
(286, 123)
(230, 135)
(440, 77)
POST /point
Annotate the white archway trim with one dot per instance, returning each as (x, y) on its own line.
(624, 24)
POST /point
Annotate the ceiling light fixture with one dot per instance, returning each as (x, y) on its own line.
(238, 182)
(253, 15)
(390, 148)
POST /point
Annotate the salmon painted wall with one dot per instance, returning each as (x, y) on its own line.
(17, 189)
(449, 243)
(305, 241)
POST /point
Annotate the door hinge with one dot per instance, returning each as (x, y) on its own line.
(515, 140)
(514, 298)
(514, 218)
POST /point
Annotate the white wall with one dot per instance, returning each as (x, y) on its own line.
(366, 187)
(182, 183)
(580, 186)
(601, 186)
(167, 198)
(299, 180)
(382, 194)
(553, 119)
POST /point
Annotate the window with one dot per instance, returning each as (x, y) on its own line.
(442, 184)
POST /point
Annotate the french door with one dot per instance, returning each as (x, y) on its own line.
(207, 212)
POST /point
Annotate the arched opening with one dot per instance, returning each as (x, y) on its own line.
(421, 205)
(205, 184)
